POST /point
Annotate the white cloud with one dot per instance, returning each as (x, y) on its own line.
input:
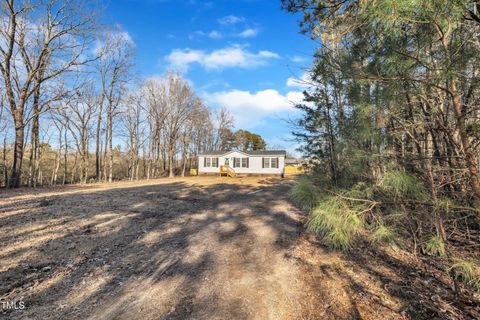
(303, 83)
(229, 57)
(181, 59)
(251, 108)
(214, 34)
(298, 59)
(231, 19)
(269, 100)
(249, 33)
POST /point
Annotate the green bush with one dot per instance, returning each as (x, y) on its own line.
(361, 190)
(435, 246)
(335, 222)
(304, 194)
(467, 272)
(401, 184)
(384, 235)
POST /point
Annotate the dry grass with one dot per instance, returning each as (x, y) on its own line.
(197, 247)
(183, 248)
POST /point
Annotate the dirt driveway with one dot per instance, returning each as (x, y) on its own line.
(193, 248)
(190, 248)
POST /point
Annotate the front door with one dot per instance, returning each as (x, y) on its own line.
(227, 161)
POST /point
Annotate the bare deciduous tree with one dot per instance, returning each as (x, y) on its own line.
(78, 116)
(33, 51)
(116, 52)
(133, 121)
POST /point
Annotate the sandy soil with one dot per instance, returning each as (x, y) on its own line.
(189, 248)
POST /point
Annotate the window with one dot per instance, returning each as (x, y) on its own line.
(236, 162)
(270, 163)
(244, 162)
(227, 161)
(210, 162)
(274, 162)
(266, 163)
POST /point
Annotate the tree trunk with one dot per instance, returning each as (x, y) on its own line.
(5, 169)
(33, 165)
(148, 163)
(137, 165)
(74, 169)
(15, 177)
(35, 138)
(470, 158)
(145, 172)
(170, 163)
(56, 166)
(110, 146)
(98, 139)
(105, 153)
(184, 165)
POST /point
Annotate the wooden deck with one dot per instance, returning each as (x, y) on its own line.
(227, 171)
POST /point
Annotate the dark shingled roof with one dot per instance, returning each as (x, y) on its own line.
(281, 153)
(213, 153)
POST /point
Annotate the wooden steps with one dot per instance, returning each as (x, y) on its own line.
(227, 171)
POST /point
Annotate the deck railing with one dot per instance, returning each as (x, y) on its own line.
(227, 170)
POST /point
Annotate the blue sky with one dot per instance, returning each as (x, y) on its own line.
(240, 54)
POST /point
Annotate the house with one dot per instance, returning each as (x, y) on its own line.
(270, 162)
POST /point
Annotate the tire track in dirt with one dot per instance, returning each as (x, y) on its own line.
(193, 248)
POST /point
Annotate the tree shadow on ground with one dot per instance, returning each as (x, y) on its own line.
(427, 291)
(112, 253)
(383, 283)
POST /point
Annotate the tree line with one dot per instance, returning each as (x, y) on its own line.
(73, 109)
(390, 127)
(394, 83)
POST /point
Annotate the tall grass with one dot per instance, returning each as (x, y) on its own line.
(335, 222)
(468, 272)
(436, 246)
(304, 194)
(340, 217)
(361, 190)
(384, 235)
(401, 184)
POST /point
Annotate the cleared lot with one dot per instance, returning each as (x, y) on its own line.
(190, 248)
(198, 247)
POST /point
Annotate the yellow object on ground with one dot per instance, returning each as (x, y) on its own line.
(193, 172)
(294, 169)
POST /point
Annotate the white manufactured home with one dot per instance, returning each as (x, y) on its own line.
(242, 162)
